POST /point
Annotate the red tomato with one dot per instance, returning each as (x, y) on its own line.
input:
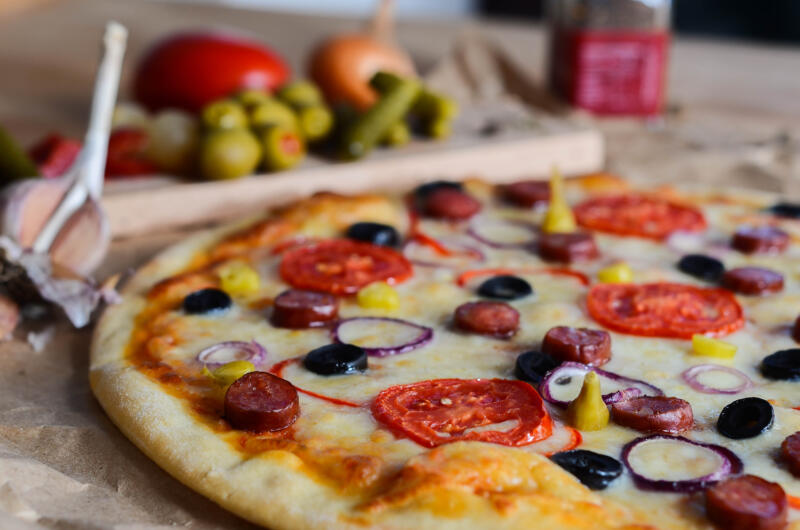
(55, 154)
(441, 411)
(190, 70)
(638, 215)
(342, 266)
(126, 155)
(669, 310)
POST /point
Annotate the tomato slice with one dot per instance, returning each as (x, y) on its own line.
(343, 266)
(638, 215)
(441, 411)
(670, 310)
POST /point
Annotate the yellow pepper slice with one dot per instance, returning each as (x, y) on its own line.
(588, 412)
(378, 295)
(226, 374)
(559, 216)
(616, 273)
(239, 279)
(706, 346)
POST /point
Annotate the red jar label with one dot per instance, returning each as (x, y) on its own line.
(611, 72)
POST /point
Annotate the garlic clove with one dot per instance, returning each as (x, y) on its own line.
(83, 241)
(27, 205)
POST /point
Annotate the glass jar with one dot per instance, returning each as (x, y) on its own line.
(610, 56)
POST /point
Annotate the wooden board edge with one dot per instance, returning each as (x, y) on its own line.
(184, 205)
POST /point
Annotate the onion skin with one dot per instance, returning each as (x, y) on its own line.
(257, 353)
(544, 387)
(424, 337)
(343, 65)
(732, 465)
(690, 376)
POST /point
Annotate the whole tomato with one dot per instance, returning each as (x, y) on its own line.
(189, 70)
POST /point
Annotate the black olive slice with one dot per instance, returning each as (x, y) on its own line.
(745, 418)
(785, 209)
(595, 471)
(505, 288)
(375, 233)
(533, 365)
(421, 192)
(333, 359)
(206, 301)
(783, 364)
(702, 267)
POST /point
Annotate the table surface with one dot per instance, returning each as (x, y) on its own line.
(734, 119)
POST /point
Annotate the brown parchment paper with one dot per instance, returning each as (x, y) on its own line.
(64, 465)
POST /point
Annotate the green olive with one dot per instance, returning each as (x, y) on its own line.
(224, 114)
(314, 121)
(300, 93)
(229, 154)
(439, 128)
(273, 112)
(397, 135)
(283, 147)
(250, 98)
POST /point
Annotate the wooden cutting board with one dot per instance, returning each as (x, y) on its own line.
(151, 205)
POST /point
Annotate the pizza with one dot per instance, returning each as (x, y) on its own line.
(537, 354)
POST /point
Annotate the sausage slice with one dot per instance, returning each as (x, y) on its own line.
(747, 502)
(654, 414)
(568, 247)
(753, 280)
(298, 309)
(582, 345)
(526, 193)
(260, 402)
(790, 451)
(761, 239)
(496, 319)
(451, 204)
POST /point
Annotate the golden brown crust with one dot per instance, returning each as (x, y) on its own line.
(444, 488)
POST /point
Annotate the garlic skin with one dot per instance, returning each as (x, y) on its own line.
(82, 242)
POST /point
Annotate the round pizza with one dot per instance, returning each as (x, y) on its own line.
(561, 355)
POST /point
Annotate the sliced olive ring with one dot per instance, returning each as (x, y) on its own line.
(594, 470)
(702, 267)
(785, 209)
(505, 287)
(420, 192)
(745, 418)
(335, 359)
(207, 301)
(533, 365)
(783, 364)
(375, 233)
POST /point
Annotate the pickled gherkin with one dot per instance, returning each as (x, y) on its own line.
(397, 135)
(367, 130)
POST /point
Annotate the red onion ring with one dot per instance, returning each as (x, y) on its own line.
(632, 386)
(731, 465)
(474, 232)
(423, 337)
(242, 351)
(691, 378)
